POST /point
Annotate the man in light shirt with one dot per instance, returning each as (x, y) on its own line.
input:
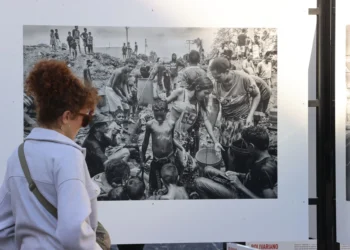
(264, 69)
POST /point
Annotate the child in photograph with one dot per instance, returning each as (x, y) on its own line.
(90, 42)
(118, 118)
(57, 39)
(161, 130)
(116, 174)
(84, 36)
(74, 48)
(52, 40)
(117, 194)
(261, 180)
(133, 90)
(170, 177)
(135, 188)
(124, 50)
(69, 42)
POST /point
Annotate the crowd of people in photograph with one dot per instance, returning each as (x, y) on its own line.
(73, 41)
(156, 150)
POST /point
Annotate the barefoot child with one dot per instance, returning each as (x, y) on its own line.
(161, 130)
(133, 90)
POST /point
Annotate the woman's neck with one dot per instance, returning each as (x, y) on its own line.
(54, 128)
(191, 96)
(226, 83)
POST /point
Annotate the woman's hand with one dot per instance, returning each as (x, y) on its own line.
(218, 147)
(249, 121)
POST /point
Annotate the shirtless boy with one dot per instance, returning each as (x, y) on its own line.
(161, 130)
(170, 177)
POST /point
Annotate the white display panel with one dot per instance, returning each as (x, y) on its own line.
(202, 220)
(341, 98)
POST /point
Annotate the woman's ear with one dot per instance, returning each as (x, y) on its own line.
(66, 117)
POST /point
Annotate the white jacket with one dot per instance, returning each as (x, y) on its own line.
(59, 170)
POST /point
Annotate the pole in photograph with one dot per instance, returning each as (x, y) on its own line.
(127, 34)
(146, 46)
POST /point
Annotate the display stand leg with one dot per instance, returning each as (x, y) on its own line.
(326, 213)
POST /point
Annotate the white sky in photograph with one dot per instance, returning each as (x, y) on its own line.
(164, 41)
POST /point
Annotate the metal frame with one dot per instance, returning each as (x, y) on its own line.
(325, 152)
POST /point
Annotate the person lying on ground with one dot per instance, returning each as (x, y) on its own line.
(116, 174)
(192, 72)
(261, 180)
(161, 130)
(96, 143)
(170, 177)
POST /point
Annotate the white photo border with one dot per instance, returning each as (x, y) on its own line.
(283, 219)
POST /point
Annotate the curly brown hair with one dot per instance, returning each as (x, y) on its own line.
(56, 89)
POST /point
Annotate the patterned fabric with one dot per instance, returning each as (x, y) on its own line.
(235, 101)
(231, 130)
(29, 109)
(102, 237)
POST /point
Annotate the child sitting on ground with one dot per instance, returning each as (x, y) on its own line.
(135, 188)
(261, 180)
(161, 130)
(117, 194)
(170, 177)
(116, 174)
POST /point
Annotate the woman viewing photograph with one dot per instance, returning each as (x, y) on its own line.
(57, 168)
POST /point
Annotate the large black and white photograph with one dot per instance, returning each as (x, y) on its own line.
(184, 113)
